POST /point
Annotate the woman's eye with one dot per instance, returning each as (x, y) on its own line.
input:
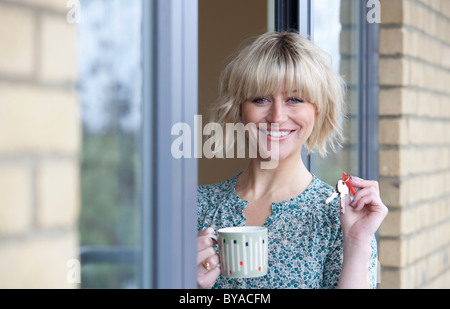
(260, 100)
(296, 100)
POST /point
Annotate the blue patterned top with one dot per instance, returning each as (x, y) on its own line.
(304, 234)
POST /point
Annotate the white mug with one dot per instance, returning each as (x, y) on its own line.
(243, 251)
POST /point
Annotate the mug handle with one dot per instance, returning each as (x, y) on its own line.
(212, 236)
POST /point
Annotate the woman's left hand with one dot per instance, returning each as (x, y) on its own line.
(363, 216)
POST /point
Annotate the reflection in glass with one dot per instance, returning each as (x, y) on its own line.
(110, 94)
(336, 31)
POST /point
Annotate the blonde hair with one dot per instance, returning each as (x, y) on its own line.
(288, 61)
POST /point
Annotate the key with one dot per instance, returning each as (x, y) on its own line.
(332, 197)
(342, 188)
(335, 193)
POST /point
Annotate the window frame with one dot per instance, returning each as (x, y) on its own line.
(169, 185)
(368, 96)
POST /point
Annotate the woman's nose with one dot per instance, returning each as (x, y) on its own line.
(277, 113)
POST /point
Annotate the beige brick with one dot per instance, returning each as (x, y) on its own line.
(417, 274)
(412, 190)
(409, 101)
(416, 248)
(435, 264)
(17, 41)
(391, 41)
(425, 131)
(391, 192)
(37, 120)
(15, 198)
(435, 106)
(389, 162)
(394, 72)
(415, 178)
(391, 11)
(393, 131)
(392, 224)
(412, 220)
(415, 161)
(38, 262)
(445, 56)
(410, 275)
(58, 193)
(413, 15)
(393, 252)
(390, 278)
(421, 188)
(445, 8)
(390, 102)
(407, 277)
(58, 61)
(417, 74)
(412, 43)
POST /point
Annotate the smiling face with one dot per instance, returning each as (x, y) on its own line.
(282, 118)
(262, 83)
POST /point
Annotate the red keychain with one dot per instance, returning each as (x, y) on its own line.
(346, 179)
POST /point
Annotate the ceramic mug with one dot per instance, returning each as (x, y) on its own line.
(243, 251)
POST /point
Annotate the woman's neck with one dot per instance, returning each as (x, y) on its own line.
(289, 179)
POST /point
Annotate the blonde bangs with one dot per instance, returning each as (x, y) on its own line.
(273, 68)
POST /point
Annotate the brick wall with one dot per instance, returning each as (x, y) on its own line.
(415, 143)
(39, 144)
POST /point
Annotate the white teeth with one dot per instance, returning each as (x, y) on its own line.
(277, 133)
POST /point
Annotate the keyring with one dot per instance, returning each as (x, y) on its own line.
(346, 178)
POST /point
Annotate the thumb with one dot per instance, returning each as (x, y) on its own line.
(207, 231)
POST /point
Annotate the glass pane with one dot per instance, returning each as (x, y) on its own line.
(110, 93)
(336, 31)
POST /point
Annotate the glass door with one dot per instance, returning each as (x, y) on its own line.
(138, 79)
(342, 29)
(109, 88)
(336, 31)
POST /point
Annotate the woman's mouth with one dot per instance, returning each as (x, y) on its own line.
(278, 135)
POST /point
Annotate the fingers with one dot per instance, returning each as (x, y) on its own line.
(206, 276)
(213, 261)
(207, 280)
(369, 193)
(361, 183)
(203, 238)
(368, 196)
(207, 231)
(204, 242)
(360, 201)
(204, 254)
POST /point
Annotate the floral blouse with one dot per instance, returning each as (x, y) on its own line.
(304, 234)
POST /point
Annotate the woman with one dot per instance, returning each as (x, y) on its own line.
(283, 85)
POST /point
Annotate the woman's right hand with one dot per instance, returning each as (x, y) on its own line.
(206, 253)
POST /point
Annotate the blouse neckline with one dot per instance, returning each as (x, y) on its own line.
(297, 198)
